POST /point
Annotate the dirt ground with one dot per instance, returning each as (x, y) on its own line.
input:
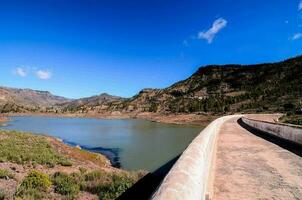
(80, 159)
(200, 120)
(249, 167)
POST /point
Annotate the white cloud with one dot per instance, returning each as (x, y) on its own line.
(300, 6)
(20, 72)
(210, 34)
(296, 36)
(44, 74)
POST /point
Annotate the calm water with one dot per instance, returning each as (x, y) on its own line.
(132, 144)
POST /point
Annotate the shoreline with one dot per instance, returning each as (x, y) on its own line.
(3, 120)
(61, 159)
(200, 120)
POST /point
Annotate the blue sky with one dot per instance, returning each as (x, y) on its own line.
(82, 48)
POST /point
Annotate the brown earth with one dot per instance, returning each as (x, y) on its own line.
(249, 167)
(189, 119)
(80, 159)
(3, 119)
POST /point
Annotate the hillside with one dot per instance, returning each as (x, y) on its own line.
(41, 167)
(97, 102)
(21, 100)
(270, 87)
(267, 87)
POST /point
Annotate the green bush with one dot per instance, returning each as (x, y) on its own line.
(36, 180)
(65, 162)
(82, 170)
(66, 184)
(31, 194)
(33, 185)
(4, 173)
(292, 119)
(113, 189)
(93, 175)
(23, 148)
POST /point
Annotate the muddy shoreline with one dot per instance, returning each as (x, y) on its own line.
(3, 119)
(201, 120)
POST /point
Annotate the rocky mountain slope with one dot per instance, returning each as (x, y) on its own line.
(18, 100)
(266, 87)
(99, 101)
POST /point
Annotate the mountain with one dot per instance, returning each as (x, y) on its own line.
(21, 100)
(100, 102)
(229, 88)
(266, 87)
(269, 87)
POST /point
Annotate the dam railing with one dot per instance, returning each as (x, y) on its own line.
(191, 176)
(287, 132)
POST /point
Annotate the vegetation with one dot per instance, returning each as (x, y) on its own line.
(274, 87)
(34, 186)
(108, 185)
(5, 174)
(32, 150)
(66, 184)
(94, 175)
(292, 119)
(22, 148)
(115, 187)
(2, 195)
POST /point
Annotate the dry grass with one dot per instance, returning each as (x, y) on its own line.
(24, 148)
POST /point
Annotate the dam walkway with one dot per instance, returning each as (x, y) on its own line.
(236, 157)
(248, 166)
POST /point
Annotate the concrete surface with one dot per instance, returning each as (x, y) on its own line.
(189, 178)
(285, 131)
(248, 167)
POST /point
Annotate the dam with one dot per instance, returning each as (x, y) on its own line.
(234, 157)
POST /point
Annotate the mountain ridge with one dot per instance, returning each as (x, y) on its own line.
(27, 99)
(212, 88)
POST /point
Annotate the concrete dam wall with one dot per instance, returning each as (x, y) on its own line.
(190, 177)
(288, 132)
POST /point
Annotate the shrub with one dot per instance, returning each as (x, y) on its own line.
(36, 180)
(31, 194)
(82, 170)
(4, 173)
(93, 175)
(65, 162)
(113, 189)
(33, 185)
(22, 148)
(2, 195)
(66, 184)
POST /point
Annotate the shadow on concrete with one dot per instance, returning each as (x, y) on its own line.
(146, 186)
(283, 143)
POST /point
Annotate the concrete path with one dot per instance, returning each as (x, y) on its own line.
(248, 167)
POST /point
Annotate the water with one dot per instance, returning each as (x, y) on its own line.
(133, 144)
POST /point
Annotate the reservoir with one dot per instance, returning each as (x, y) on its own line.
(131, 144)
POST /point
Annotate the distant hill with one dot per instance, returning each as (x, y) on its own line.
(228, 88)
(269, 87)
(21, 100)
(101, 101)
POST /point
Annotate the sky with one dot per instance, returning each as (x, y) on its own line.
(82, 48)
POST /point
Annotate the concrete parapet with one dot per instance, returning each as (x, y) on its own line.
(189, 177)
(288, 132)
